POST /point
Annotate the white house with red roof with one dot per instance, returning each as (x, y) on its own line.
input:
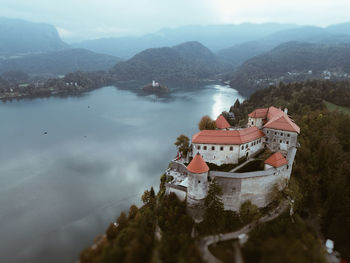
(280, 130)
(227, 146)
(269, 128)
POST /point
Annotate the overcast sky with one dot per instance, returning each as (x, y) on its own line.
(88, 19)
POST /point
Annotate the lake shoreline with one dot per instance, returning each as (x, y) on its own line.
(74, 90)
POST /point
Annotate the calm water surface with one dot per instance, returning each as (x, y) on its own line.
(101, 151)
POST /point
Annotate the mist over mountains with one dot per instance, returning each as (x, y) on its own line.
(23, 37)
(250, 56)
(215, 37)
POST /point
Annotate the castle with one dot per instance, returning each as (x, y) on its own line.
(253, 176)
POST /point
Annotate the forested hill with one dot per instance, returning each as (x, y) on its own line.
(322, 167)
(239, 53)
(292, 61)
(190, 61)
(319, 186)
(59, 62)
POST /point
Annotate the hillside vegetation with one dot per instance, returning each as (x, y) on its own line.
(59, 62)
(290, 62)
(190, 61)
(239, 53)
(321, 169)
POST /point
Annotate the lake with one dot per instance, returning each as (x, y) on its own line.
(69, 166)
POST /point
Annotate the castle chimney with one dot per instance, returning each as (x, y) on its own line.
(285, 110)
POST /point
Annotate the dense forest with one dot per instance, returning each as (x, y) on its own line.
(322, 168)
(320, 186)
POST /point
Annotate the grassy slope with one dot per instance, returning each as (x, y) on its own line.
(333, 107)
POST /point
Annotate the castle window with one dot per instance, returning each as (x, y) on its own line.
(267, 131)
(280, 141)
(287, 166)
(246, 146)
(288, 135)
(281, 133)
(221, 148)
(252, 123)
(242, 147)
(213, 148)
(251, 144)
(275, 133)
(204, 147)
(274, 140)
(231, 148)
(287, 142)
(198, 147)
(199, 181)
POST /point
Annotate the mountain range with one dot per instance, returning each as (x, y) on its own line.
(292, 61)
(37, 49)
(234, 56)
(250, 56)
(215, 37)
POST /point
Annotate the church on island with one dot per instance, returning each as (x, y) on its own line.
(259, 156)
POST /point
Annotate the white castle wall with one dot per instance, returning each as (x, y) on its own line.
(258, 122)
(254, 186)
(222, 154)
(197, 186)
(280, 140)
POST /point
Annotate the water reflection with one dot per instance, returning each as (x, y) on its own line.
(59, 190)
(223, 98)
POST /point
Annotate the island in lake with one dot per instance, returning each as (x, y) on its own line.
(156, 87)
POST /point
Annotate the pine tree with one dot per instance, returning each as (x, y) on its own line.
(214, 208)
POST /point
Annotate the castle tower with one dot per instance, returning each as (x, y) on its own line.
(197, 179)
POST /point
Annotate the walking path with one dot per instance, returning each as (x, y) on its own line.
(204, 243)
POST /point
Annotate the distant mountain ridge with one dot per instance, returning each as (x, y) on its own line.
(59, 62)
(22, 37)
(215, 37)
(292, 61)
(190, 61)
(238, 54)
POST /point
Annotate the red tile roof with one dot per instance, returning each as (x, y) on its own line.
(276, 160)
(221, 123)
(282, 122)
(258, 113)
(276, 119)
(197, 165)
(230, 137)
